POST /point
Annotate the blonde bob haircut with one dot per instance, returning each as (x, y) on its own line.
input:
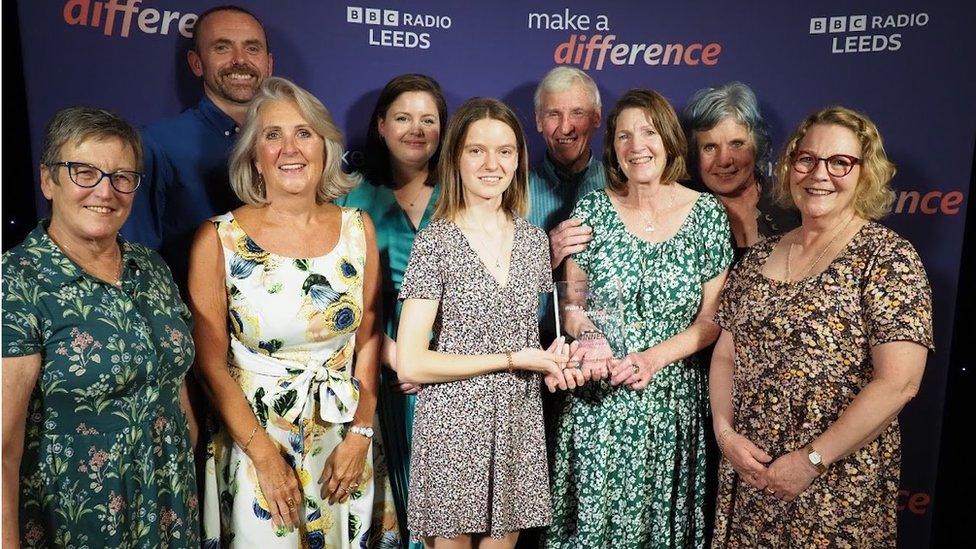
(244, 178)
(873, 196)
(665, 121)
(515, 199)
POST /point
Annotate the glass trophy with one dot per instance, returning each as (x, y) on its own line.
(593, 316)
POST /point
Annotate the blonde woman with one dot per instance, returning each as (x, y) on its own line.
(284, 295)
(825, 332)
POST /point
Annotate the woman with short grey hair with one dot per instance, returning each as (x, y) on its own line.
(729, 152)
(96, 346)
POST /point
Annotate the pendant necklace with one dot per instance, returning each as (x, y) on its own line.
(501, 247)
(647, 220)
(412, 200)
(118, 275)
(789, 253)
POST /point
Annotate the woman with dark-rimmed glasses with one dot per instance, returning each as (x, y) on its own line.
(825, 336)
(96, 441)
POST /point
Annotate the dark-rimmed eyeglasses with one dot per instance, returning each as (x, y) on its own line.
(88, 176)
(838, 165)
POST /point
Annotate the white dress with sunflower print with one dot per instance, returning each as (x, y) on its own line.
(292, 328)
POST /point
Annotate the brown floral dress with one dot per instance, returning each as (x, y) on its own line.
(479, 450)
(802, 353)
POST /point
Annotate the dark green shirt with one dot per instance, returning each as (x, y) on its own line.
(107, 460)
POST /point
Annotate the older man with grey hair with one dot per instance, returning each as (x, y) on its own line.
(567, 113)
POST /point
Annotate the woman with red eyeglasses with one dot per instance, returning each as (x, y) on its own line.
(826, 331)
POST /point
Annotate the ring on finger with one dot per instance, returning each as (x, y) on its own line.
(636, 369)
(770, 491)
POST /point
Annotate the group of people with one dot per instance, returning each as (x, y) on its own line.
(369, 353)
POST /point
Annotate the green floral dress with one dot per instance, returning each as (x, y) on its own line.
(293, 329)
(107, 459)
(629, 466)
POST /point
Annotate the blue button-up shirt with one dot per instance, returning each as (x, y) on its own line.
(186, 182)
(552, 196)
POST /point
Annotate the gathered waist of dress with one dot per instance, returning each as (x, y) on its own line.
(287, 388)
(159, 418)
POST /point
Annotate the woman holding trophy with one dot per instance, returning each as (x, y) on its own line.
(630, 445)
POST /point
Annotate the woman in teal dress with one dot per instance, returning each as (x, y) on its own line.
(629, 465)
(96, 345)
(398, 192)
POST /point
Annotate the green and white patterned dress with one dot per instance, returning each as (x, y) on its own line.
(293, 326)
(629, 466)
(107, 459)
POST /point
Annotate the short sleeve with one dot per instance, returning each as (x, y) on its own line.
(728, 301)
(715, 250)
(166, 277)
(897, 298)
(21, 318)
(424, 277)
(585, 211)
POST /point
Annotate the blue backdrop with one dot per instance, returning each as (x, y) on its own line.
(907, 64)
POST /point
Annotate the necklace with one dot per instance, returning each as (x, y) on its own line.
(117, 282)
(501, 245)
(413, 199)
(823, 252)
(647, 220)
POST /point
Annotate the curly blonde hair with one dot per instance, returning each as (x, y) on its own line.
(873, 196)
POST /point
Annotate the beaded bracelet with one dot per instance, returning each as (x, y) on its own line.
(511, 363)
(723, 435)
(249, 439)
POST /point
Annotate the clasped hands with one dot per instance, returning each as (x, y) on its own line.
(784, 478)
(568, 366)
(282, 489)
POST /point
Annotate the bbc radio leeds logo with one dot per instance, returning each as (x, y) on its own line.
(867, 33)
(593, 45)
(393, 29)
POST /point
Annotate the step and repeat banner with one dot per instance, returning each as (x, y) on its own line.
(907, 64)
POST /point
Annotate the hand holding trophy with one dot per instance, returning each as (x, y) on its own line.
(594, 319)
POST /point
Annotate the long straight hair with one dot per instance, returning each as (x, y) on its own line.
(515, 199)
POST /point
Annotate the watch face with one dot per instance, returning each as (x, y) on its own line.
(365, 431)
(815, 458)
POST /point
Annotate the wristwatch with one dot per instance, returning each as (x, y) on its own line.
(364, 431)
(816, 459)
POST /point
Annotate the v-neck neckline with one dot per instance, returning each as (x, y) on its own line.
(424, 217)
(481, 262)
(841, 256)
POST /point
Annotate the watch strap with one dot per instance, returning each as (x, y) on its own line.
(364, 431)
(816, 459)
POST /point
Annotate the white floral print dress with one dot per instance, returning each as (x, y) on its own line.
(292, 324)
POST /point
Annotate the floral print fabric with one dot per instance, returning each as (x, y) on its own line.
(629, 466)
(107, 460)
(802, 353)
(479, 454)
(292, 324)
